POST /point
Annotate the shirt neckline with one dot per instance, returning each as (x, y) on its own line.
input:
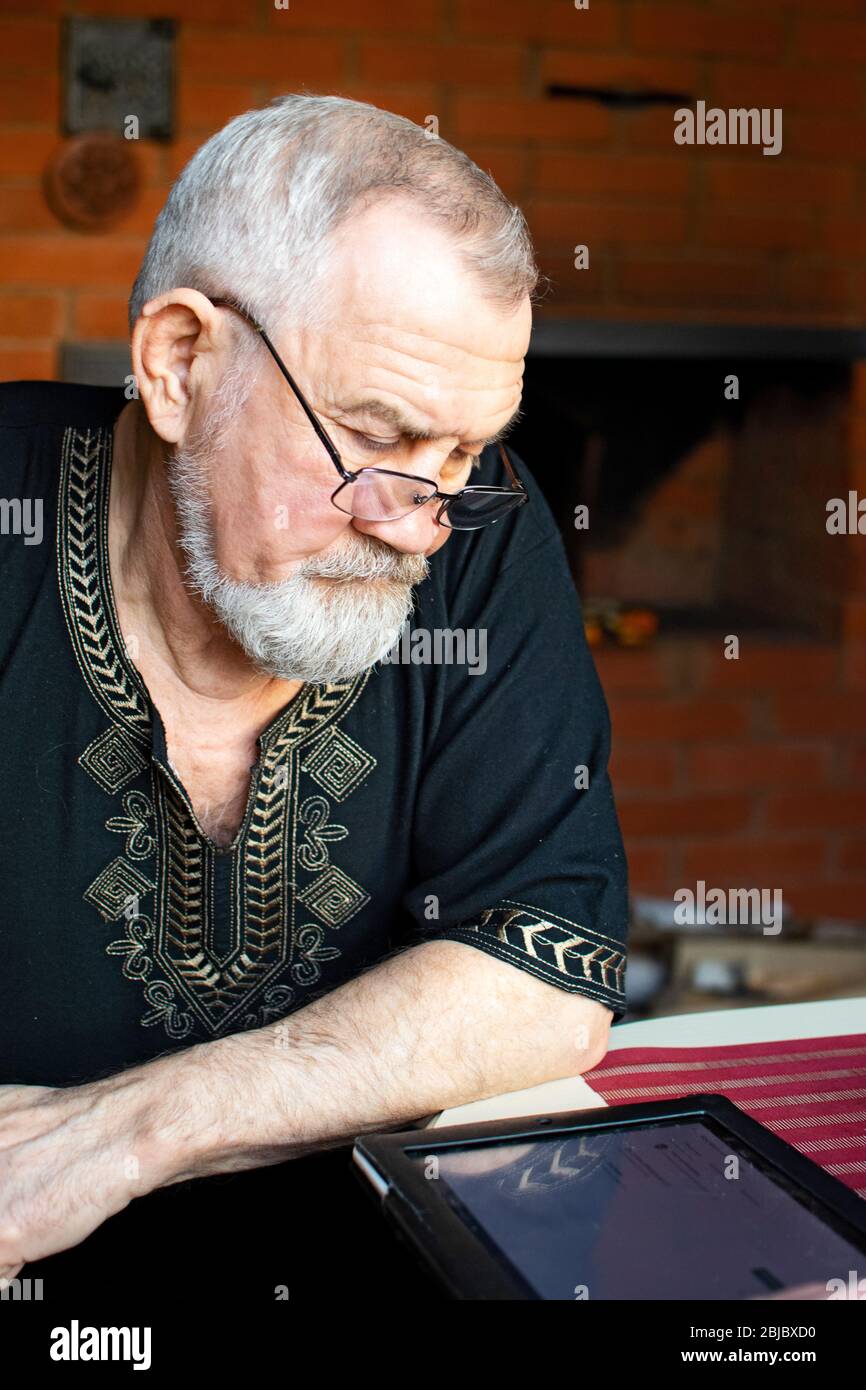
(114, 680)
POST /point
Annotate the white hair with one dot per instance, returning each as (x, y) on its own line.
(251, 213)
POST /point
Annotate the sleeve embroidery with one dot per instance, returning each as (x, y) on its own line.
(551, 946)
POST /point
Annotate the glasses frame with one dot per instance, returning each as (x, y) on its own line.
(348, 476)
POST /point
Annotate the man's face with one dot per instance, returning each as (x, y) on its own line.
(412, 349)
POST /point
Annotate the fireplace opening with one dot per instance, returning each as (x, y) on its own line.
(706, 498)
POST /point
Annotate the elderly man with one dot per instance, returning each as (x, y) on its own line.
(244, 853)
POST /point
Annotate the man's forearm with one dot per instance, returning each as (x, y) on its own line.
(438, 1025)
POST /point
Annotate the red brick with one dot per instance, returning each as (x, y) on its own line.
(234, 12)
(649, 863)
(829, 898)
(680, 719)
(654, 127)
(858, 385)
(733, 84)
(754, 859)
(854, 666)
(691, 283)
(817, 288)
(24, 209)
(772, 183)
(415, 102)
(828, 715)
(816, 807)
(839, 41)
(728, 767)
(26, 152)
(572, 223)
(570, 287)
(506, 164)
(845, 235)
(29, 45)
(815, 136)
(472, 64)
(854, 619)
(100, 316)
(575, 67)
(626, 176)
(421, 17)
(143, 215)
(852, 855)
(683, 815)
(596, 27)
(30, 315)
(673, 29)
(636, 767)
(641, 669)
(771, 666)
(523, 119)
(756, 231)
(206, 106)
(69, 260)
(241, 57)
(26, 363)
(30, 98)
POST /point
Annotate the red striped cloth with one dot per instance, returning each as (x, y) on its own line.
(811, 1092)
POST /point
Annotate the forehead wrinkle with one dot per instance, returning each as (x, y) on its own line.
(397, 419)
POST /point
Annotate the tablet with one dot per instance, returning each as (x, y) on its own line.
(683, 1199)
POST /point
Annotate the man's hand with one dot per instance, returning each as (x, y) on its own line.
(67, 1162)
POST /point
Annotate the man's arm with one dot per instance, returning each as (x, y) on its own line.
(438, 1025)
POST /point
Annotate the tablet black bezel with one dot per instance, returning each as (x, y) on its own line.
(470, 1269)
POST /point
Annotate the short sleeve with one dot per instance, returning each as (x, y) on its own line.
(516, 846)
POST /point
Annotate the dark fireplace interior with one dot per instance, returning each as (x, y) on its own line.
(708, 510)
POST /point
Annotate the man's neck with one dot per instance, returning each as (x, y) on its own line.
(181, 645)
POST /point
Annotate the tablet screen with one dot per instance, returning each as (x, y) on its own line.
(667, 1210)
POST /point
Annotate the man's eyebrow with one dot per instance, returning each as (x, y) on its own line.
(391, 415)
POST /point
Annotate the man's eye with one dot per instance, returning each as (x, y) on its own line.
(384, 446)
(374, 446)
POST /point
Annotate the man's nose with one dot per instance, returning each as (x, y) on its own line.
(413, 534)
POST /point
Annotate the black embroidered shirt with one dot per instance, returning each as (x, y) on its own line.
(419, 800)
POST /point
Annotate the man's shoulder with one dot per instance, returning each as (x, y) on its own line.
(477, 560)
(40, 405)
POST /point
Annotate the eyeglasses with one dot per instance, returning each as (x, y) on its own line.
(370, 493)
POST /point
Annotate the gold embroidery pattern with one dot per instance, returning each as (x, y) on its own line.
(117, 885)
(550, 946)
(313, 854)
(84, 577)
(140, 844)
(112, 760)
(338, 764)
(133, 947)
(200, 985)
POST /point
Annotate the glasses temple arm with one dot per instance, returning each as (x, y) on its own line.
(512, 476)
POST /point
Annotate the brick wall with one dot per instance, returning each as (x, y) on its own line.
(748, 773)
(719, 233)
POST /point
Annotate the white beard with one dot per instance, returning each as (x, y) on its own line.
(338, 614)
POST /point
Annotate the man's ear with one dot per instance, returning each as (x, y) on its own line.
(173, 345)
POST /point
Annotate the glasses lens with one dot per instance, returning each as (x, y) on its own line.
(471, 510)
(376, 495)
